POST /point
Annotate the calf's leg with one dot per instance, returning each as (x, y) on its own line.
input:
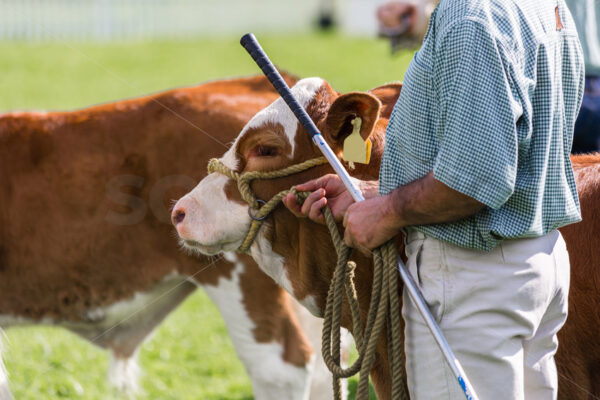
(123, 372)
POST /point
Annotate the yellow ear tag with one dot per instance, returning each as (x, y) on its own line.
(355, 148)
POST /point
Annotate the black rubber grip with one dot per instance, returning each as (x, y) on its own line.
(260, 57)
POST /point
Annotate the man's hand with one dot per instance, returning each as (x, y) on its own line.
(366, 227)
(370, 223)
(327, 190)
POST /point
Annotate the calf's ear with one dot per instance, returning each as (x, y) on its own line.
(338, 124)
(388, 95)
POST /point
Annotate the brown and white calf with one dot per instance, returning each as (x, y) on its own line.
(86, 241)
(299, 255)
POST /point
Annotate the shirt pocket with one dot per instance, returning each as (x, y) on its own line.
(416, 113)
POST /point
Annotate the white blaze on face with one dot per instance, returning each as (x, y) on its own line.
(279, 112)
(213, 223)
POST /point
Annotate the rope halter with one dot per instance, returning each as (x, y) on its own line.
(257, 208)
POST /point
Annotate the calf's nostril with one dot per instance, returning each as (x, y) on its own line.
(178, 216)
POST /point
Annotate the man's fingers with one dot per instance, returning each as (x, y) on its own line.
(312, 198)
(319, 183)
(315, 210)
(290, 202)
(311, 186)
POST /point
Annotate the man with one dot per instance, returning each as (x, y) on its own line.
(476, 172)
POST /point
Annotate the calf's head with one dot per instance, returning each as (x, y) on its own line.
(213, 218)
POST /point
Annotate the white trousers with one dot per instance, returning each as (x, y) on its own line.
(499, 310)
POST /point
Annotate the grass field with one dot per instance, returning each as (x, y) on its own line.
(190, 356)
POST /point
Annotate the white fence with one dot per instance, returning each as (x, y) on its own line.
(116, 19)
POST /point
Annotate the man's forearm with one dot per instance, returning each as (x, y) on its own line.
(376, 220)
(428, 201)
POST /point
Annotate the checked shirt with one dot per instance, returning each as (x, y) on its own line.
(489, 104)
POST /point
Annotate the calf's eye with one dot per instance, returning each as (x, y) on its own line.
(266, 151)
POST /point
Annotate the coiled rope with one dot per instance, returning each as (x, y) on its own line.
(384, 307)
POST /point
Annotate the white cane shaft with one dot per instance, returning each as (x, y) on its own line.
(419, 302)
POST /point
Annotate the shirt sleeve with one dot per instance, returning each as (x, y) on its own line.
(476, 125)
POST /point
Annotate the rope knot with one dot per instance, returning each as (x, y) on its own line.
(350, 269)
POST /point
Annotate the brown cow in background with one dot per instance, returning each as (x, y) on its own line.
(85, 239)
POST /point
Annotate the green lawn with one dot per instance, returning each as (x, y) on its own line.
(190, 356)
